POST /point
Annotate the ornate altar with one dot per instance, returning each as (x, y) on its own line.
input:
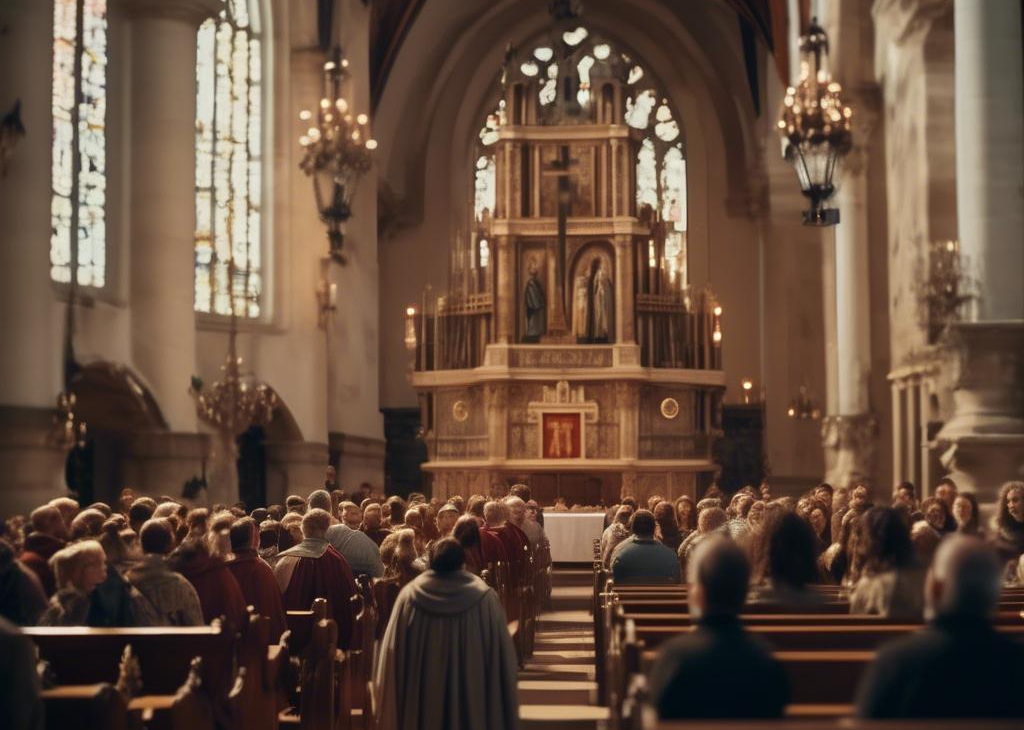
(568, 352)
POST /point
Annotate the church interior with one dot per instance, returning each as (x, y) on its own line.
(513, 280)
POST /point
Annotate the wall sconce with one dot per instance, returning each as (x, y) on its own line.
(716, 335)
(327, 301)
(748, 390)
(410, 328)
(803, 407)
(68, 431)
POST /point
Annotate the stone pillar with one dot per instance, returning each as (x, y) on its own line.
(505, 296)
(984, 440)
(30, 371)
(161, 102)
(849, 430)
(162, 92)
(625, 311)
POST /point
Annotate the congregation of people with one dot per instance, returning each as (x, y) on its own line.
(159, 562)
(907, 560)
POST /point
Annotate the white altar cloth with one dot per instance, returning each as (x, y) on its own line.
(572, 535)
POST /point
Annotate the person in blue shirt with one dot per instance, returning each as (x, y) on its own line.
(641, 558)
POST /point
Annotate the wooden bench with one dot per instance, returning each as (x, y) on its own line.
(189, 677)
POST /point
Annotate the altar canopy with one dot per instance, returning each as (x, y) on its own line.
(569, 350)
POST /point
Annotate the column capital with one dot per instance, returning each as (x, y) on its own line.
(907, 19)
(187, 11)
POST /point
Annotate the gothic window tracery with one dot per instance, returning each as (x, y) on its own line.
(661, 158)
(229, 162)
(78, 168)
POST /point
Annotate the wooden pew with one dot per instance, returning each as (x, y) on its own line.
(323, 698)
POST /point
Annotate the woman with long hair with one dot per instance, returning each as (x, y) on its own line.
(792, 566)
(1008, 521)
(965, 512)
(836, 562)
(891, 582)
(686, 515)
(666, 529)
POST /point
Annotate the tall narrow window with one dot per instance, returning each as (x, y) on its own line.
(78, 239)
(228, 270)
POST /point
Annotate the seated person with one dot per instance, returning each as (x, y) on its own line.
(642, 559)
(313, 569)
(959, 665)
(718, 670)
(361, 552)
(172, 597)
(255, 577)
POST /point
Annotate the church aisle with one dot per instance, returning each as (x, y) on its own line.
(557, 687)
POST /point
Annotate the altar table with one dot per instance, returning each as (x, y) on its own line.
(572, 535)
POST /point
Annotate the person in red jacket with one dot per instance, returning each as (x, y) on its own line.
(219, 592)
(313, 569)
(255, 577)
(49, 534)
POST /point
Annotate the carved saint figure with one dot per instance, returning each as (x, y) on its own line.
(581, 291)
(599, 319)
(535, 304)
(567, 429)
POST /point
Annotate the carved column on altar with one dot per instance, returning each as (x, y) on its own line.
(849, 431)
(505, 296)
(496, 408)
(984, 440)
(625, 330)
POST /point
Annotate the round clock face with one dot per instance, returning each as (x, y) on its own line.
(460, 411)
(670, 408)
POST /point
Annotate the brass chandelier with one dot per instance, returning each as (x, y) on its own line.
(815, 127)
(338, 151)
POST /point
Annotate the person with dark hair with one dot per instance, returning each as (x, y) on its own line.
(447, 658)
(397, 508)
(696, 674)
(891, 580)
(937, 515)
(467, 533)
(255, 577)
(1007, 522)
(22, 600)
(522, 491)
(295, 503)
(641, 558)
(959, 666)
(667, 531)
(792, 565)
(172, 597)
(686, 515)
(140, 512)
(966, 514)
(313, 569)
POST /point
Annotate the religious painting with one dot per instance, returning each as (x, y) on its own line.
(562, 437)
(593, 296)
(578, 188)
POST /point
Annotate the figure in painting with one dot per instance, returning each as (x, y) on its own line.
(555, 444)
(535, 304)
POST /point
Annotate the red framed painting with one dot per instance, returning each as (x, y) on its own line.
(562, 435)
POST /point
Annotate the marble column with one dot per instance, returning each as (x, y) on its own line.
(850, 428)
(161, 103)
(505, 303)
(30, 318)
(983, 442)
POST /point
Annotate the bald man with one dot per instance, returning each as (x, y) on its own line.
(959, 665)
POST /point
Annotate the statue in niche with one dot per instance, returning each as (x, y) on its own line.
(535, 304)
(593, 304)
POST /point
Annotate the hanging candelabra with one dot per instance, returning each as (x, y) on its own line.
(237, 401)
(338, 150)
(815, 127)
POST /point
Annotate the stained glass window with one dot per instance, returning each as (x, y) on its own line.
(78, 239)
(229, 180)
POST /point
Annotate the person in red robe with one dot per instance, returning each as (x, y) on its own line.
(255, 577)
(512, 539)
(218, 591)
(313, 569)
